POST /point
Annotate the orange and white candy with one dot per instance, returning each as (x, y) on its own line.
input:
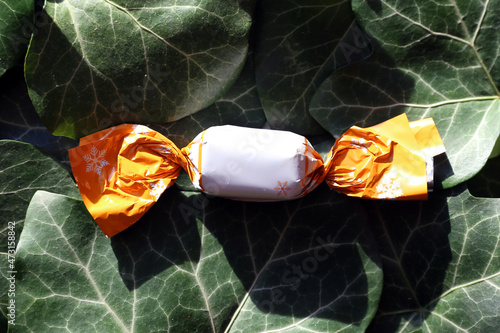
(122, 171)
(253, 164)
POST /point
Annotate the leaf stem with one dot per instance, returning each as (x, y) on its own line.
(426, 106)
(451, 101)
(468, 284)
(395, 313)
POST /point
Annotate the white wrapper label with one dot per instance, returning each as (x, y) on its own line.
(259, 164)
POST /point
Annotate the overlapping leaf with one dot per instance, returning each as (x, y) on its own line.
(24, 169)
(441, 264)
(96, 63)
(199, 264)
(239, 106)
(431, 59)
(16, 26)
(295, 51)
(19, 120)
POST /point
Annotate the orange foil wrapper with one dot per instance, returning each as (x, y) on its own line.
(122, 171)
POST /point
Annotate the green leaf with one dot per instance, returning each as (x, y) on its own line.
(487, 182)
(97, 63)
(16, 26)
(199, 264)
(298, 45)
(496, 149)
(20, 122)
(4, 293)
(430, 60)
(240, 106)
(441, 267)
(24, 169)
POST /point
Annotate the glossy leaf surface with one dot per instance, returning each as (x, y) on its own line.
(97, 63)
(430, 59)
(199, 264)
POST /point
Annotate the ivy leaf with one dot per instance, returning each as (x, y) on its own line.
(199, 264)
(487, 182)
(97, 63)
(24, 169)
(441, 265)
(240, 106)
(430, 60)
(298, 45)
(16, 26)
(496, 149)
(20, 122)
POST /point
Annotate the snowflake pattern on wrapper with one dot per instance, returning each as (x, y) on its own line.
(282, 188)
(95, 160)
(389, 186)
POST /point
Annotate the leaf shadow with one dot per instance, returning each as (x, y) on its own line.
(375, 5)
(442, 170)
(159, 240)
(306, 258)
(413, 240)
(312, 258)
(19, 120)
(370, 92)
(346, 98)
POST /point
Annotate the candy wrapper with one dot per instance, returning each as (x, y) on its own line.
(122, 171)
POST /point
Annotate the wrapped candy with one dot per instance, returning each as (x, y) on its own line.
(122, 171)
(253, 164)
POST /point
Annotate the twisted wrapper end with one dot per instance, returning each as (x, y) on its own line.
(386, 161)
(122, 171)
